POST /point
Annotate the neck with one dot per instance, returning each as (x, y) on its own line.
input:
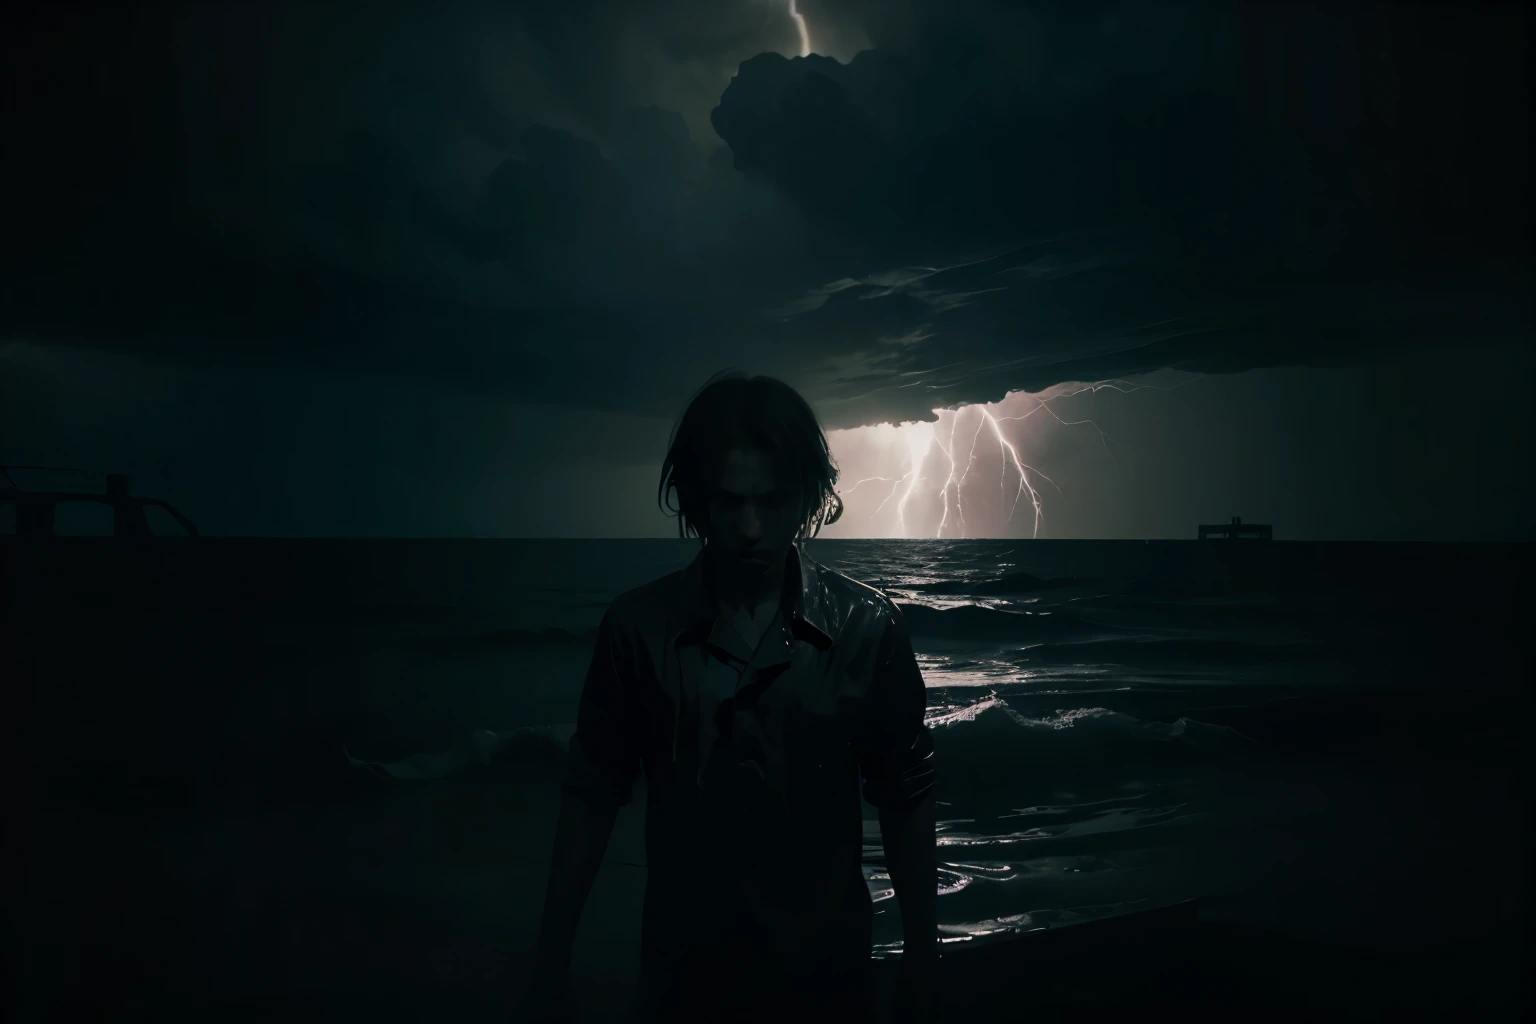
(749, 593)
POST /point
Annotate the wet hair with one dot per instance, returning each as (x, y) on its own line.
(733, 410)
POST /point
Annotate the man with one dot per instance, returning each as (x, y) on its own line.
(758, 692)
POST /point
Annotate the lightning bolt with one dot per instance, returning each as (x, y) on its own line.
(1044, 405)
(922, 438)
(917, 452)
(872, 479)
(802, 27)
(1023, 471)
(949, 453)
(969, 462)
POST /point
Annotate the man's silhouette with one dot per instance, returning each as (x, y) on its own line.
(758, 693)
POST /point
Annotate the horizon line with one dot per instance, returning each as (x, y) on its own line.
(838, 540)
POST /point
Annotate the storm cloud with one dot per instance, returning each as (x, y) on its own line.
(600, 204)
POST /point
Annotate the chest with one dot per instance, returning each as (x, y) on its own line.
(807, 700)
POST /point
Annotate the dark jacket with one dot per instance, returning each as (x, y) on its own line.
(778, 871)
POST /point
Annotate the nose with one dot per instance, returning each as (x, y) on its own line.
(750, 525)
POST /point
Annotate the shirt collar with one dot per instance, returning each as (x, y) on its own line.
(802, 608)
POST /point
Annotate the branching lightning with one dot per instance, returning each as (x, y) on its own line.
(922, 439)
(1023, 471)
(969, 462)
(949, 453)
(918, 442)
(870, 479)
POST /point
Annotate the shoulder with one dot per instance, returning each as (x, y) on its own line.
(647, 595)
(845, 589)
(849, 604)
(643, 609)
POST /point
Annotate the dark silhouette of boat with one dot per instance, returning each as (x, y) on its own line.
(1237, 530)
(111, 512)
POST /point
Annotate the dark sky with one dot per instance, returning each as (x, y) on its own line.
(451, 269)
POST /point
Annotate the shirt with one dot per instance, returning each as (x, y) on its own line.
(754, 761)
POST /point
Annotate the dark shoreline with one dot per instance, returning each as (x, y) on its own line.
(193, 838)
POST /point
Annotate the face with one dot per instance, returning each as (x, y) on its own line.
(753, 518)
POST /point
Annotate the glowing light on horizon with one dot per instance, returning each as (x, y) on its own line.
(911, 445)
(802, 27)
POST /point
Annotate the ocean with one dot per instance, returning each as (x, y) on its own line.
(1322, 741)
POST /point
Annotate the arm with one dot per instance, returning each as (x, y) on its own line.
(603, 763)
(897, 763)
(912, 857)
(581, 838)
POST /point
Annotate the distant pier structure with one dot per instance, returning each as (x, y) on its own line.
(1237, 530)
(110, 512)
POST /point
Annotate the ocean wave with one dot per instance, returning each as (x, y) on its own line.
(971, 622)
(986, 743)
(994, 760)
(1162, 650)
(1001, 586)
(995, 714)
(1059, 824)
(1052, 637)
